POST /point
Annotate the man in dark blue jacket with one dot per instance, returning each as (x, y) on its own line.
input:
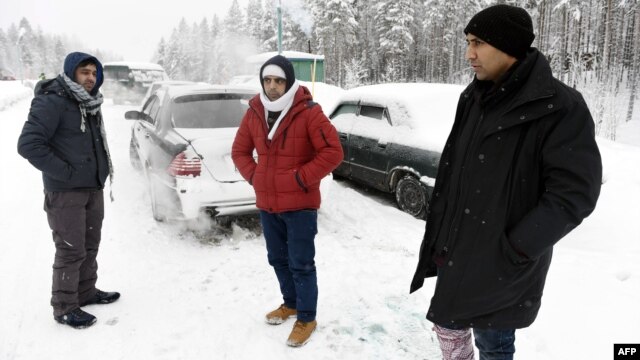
(520, 170)
(64, 138)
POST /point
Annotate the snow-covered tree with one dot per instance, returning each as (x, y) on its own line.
(335, 30)
(233, 24)
(394, 21)
(269, 27)
(253, 20)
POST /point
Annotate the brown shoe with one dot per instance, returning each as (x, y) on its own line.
(279, 315)
(301, 333)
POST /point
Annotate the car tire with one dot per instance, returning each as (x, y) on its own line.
(411, 196)
(134, 158)
(156, 207)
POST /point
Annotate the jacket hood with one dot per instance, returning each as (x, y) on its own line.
(72, 61)
(286, 66)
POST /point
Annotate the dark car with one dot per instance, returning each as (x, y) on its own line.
(129, 81)
(181, 140)
(6, 74)
(392, 136)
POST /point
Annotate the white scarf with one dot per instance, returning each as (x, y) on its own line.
(283, 104)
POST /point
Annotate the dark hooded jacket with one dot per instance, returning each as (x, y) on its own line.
(520, 170)
(52, 139)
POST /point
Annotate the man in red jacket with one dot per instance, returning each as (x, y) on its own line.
(297, 146)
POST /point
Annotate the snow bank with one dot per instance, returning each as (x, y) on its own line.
(13, 91)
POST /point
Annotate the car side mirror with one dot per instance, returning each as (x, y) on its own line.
(133, 115)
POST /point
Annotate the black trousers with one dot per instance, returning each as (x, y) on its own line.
(75, 219)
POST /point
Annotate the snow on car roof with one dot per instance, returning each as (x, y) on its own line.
(425, 108)
(176, 91)
(135, 65)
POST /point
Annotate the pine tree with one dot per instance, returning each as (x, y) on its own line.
(233, 22)
(335, 28)
(4, 49)
(254, 23)
(394, 21)
(160, 56)
(269, 27)
(293, 38)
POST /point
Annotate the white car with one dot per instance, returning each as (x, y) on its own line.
(181, 140)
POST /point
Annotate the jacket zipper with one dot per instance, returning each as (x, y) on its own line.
(448, 245)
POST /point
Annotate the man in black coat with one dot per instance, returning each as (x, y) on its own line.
(64, 138)
(520, 170)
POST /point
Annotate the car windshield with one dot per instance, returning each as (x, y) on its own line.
(144, 75)
(116, 72)
(209, 110)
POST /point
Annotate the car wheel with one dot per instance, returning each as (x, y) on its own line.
(156, 208)
(134, 158)
(411, 196)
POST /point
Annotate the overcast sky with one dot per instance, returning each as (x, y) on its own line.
(131, 28)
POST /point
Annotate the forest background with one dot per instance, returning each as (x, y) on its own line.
(592, 45)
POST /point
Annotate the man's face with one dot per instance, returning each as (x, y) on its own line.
(487, 62)
(86, 76)
(274, 87)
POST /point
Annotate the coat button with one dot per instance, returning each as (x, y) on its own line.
(467, 211)
(550, 106)
(481, 156)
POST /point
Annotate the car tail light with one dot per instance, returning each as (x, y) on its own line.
(184, 165)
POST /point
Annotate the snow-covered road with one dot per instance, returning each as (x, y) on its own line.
(184, 297)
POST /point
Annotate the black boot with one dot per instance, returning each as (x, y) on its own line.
(76, 318)
(102, 297)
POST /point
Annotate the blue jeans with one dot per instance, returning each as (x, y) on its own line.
(290, 250)
(494, 344)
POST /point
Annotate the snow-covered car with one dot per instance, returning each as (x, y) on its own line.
(181, 141)
(129, 81)
(6, 74)
(393, 135)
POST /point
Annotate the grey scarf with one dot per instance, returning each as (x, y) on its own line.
(91, 104)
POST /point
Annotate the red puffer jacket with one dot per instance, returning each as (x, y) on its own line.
(304, 149)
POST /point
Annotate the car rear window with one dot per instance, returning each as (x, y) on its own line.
(209, 110)
(372, 112)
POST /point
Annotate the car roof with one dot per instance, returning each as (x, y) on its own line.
(172, 82)
(177, 91)
(407, 100)
(134, 65)
(382, 94)
(428, 109)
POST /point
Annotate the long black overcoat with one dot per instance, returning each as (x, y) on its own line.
(529, 176)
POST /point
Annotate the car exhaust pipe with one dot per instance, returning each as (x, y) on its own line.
(211, 212)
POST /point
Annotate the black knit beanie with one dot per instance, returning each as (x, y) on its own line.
(505, 27)
(285, 65)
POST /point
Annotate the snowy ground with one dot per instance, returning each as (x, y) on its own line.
(186, 297)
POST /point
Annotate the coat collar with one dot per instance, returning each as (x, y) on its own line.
(537, 83)
(300, 100)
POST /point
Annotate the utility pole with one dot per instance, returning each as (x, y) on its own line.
(20, 35)
(279, 26)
